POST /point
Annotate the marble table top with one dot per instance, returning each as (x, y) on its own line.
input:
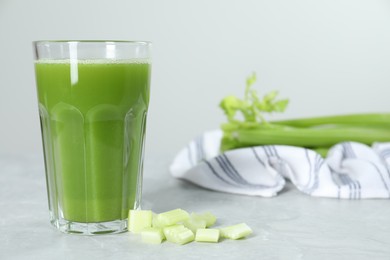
(289, 226)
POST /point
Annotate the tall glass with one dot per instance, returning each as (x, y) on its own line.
(93, 101)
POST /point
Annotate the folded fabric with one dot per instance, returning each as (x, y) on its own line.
(350, 171)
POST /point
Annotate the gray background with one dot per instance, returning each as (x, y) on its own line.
(328, 57)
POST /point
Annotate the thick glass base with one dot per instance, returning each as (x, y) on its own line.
(100, 228)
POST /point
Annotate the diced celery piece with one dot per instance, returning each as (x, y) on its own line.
(152, 235)
(168, 231)
(210, 219)
(172, 217)
(155, 222)
(177, 226)
(194, 223)
(184, 236)
(236, 231)
(206, 216)
(139, 219)
(178, 234)
(207, 235)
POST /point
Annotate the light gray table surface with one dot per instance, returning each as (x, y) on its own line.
(289, 226)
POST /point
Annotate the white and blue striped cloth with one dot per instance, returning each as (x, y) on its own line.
(350, 171)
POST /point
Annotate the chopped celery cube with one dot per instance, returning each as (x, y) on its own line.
(207, 235)
(155, 222)
(184, 236)
(139, 219)
(178, 234)
(236, 231)
(206, 216)
(152, 235)
(177, 226)
(172, 217)
(210, 219)
(194, 223)
(168, 231)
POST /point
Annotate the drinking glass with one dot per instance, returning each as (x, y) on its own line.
(93, 101)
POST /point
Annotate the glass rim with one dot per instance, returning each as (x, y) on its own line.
(39, 42)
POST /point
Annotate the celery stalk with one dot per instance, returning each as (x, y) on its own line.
(319, 133)
(369, 119)
(307, 137)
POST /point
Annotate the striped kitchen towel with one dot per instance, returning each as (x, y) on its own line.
(350, 171)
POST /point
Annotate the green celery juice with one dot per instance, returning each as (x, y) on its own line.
(93, 115)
